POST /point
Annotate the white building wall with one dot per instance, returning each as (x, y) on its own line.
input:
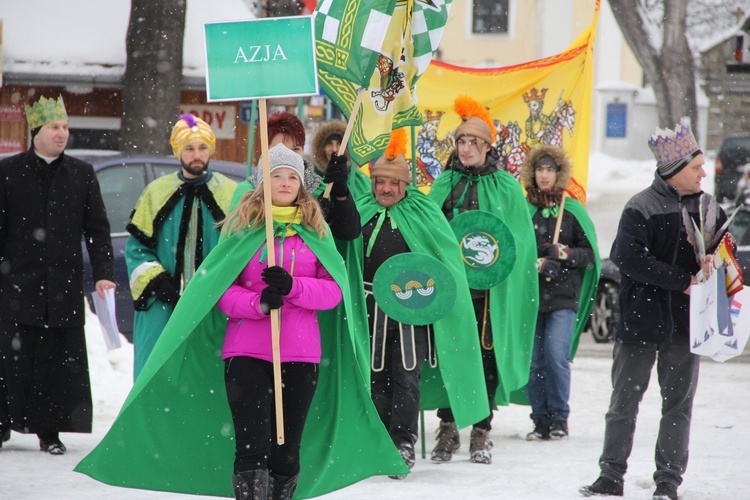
(555, 20)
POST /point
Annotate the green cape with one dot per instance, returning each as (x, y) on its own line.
(174, 431)
(458, 380)
(589, 275)
(514, 302)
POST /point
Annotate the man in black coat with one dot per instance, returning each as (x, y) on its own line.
(658, 265)
(49, 202)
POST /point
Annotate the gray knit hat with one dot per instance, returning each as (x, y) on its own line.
(281, 156)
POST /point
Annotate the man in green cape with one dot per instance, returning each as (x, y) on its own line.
(174, 431)
(506, 313)
(398, 218)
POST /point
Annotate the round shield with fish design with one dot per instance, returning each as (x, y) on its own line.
(487, 247)
(414, 288)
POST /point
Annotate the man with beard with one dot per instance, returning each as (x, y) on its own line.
(49, 203)
(172, 229)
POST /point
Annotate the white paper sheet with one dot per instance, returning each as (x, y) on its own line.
(105, 311)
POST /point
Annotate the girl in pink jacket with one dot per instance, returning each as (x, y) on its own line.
(298, 287)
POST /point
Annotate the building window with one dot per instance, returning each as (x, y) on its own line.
(489, 16)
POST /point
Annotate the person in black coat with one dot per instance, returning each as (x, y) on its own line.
(659, 266)
(49, 203)
(562, 259)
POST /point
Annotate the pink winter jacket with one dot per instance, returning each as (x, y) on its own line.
(313, 289)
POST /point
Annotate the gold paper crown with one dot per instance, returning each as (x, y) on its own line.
(671, 146)
(45, 111)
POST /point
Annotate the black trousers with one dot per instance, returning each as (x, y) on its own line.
(395, 389)
(44, 379)
(489, 365)
(250, 392)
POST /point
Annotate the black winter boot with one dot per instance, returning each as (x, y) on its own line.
(281, 487)
(604, 487)
(251, 485)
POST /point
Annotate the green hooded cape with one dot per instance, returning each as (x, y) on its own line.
(589, 275)
(458, 380)
(514, 302)
(174, 431)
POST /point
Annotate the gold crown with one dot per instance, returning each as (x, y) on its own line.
(45, 111)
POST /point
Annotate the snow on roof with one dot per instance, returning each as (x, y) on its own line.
(87, 37)
(721, 36)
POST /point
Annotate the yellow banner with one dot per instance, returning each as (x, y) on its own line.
(547, 101)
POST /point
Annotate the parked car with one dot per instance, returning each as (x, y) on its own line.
(122, 178)
(733, 154)
(606, 310)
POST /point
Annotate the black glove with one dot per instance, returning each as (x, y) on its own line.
(548, 268)
(337, 173)
(278, 278)
(270, 298)
(166, 292)
(556, 251)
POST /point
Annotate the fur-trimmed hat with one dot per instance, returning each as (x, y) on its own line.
(545, 154)
(332, 130)
(475, 119)
(189, 129)
(393, 164)
(673, 149)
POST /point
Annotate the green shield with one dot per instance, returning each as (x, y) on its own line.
(414, 288)
(487, 247)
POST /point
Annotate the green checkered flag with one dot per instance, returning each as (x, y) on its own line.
(349, 35)
(360, 50)
(427, 26)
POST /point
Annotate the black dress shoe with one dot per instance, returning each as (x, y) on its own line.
(53, 446)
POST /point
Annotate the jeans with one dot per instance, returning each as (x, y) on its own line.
(549, 379)
(677, 369)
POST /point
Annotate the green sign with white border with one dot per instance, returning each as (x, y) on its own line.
(260, 58)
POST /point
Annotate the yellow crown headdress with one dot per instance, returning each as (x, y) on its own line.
(45, 111)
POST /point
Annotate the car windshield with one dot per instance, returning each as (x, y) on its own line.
(736, 150)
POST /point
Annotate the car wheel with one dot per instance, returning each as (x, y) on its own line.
(605, 313)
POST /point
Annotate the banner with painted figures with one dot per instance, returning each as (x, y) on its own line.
(547, 101)
(380, 47)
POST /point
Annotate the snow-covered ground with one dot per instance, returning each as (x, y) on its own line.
(520, 469)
